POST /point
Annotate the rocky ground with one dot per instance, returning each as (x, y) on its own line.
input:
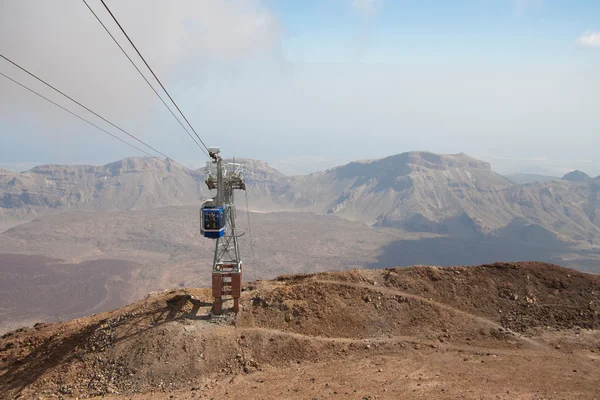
(508, 331)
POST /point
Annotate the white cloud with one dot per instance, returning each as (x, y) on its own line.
(589, 39)
(63, 43)
(367, 7)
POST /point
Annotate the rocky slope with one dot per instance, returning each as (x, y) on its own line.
(521, 330)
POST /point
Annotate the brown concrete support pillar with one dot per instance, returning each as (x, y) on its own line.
(217, 291)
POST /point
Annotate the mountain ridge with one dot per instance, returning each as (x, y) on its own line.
(415, 191)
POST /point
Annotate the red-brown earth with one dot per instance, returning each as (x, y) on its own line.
(506, 330)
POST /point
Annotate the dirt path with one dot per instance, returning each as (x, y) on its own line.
(393, 340)
(396, 292)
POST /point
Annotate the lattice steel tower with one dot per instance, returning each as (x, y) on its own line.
(217, 221)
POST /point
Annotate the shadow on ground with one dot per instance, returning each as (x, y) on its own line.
(514, 243)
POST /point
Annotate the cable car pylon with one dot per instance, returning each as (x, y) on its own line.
(217, 221)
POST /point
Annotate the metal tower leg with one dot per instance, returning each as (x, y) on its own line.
(227, 267)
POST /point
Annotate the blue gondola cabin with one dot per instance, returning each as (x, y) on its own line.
(213, 222)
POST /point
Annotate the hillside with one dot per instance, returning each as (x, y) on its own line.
(514, 330)
(570, 209)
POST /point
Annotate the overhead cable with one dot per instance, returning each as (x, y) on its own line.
(145, 79)
(250, 234)
(78, 116)
(86, 108)
(153, 74)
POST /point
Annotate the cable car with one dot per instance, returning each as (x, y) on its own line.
(213, 221)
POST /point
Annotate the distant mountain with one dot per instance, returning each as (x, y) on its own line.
(447, 194)
(128, 184)
(132, 183)
(416, 191)
(577, 176)
(521, 179)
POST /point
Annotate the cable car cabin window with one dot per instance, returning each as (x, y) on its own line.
(211, 220)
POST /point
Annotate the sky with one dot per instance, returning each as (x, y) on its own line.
(307, 85)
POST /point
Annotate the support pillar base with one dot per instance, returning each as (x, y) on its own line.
(226, 283)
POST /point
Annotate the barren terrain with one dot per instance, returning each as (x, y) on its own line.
(37, 288)
(103, 260)
(509, 331)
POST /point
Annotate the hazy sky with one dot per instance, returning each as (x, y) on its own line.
(313, 83)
